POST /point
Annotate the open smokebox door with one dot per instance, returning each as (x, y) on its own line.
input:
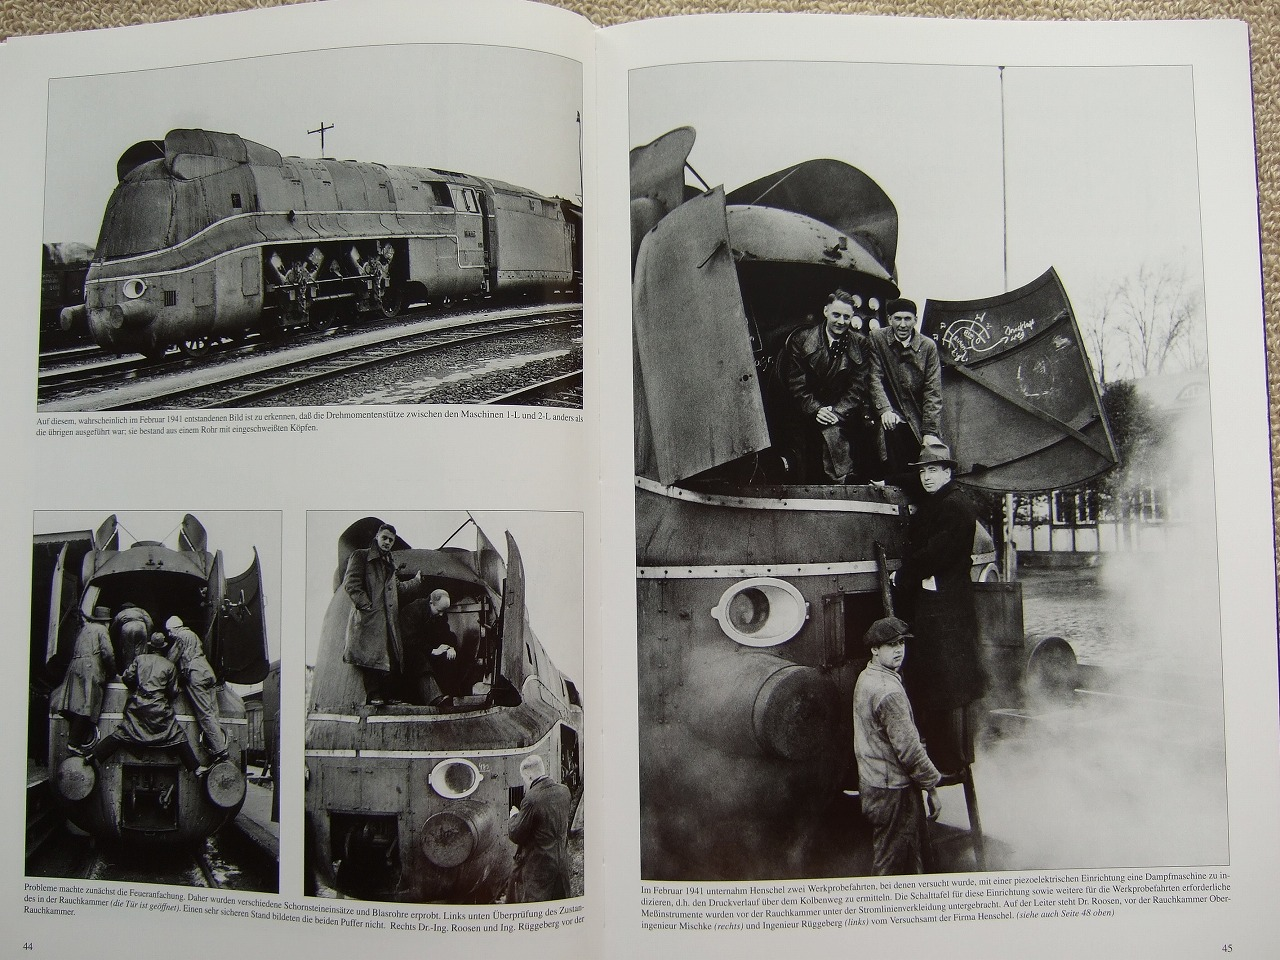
(1020, 405)
(720, 283)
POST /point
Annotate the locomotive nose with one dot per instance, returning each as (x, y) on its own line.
(757, 702)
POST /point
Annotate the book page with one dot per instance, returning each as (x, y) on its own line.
(300, 445)
(887, 275)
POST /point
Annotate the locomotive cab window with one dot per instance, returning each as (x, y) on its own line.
(440, 192)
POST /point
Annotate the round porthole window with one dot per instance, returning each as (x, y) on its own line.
(761, 612)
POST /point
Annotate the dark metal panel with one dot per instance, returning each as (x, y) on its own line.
(107, 536)
(489, 563)
(694, 346)
(513, 616)
(193, 535)
(657, 176)
(1020, 405)
(61, 602)
(240, 655)
(836, 194)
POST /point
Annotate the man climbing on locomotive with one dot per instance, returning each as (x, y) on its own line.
(197, 676)
(149, 720)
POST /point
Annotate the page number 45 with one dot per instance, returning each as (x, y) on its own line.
(1226, 948)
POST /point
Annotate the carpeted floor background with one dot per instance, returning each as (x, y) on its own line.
(50, 16)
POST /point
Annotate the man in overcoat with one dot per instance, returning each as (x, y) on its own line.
(944, 673)
(149, 720)
(540, 830)
(826, 369)
(376, 587)
(79, 699)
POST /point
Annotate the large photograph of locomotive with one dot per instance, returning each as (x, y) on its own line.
(152, 741)
(359, 278)
(859, 583)
(444, 739)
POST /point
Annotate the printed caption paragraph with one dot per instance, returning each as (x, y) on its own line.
(302, 422)
(820, 904)
(69, 899)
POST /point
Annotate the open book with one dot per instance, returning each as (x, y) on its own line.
(426, 388)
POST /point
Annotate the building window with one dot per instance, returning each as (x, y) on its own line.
(1074, 508)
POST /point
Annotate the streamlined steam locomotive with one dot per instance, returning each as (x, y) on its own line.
(754, 588)
(409, 801)
(142, 794)
(210, 236)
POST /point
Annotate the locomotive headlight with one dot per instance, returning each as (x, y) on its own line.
(761, 612)
(455, 779)
(133, 289)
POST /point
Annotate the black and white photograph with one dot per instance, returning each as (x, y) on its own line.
(925, 524)
(444, 729)
(154, 712)
(253, 232)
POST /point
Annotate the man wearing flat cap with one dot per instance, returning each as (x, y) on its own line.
(944, 673)
(892, 764)
(906, 387)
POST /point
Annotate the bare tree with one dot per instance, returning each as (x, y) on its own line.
(1148, 323)
(1162, 319)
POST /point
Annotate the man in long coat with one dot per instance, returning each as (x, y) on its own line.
(944, 673)
(374, 644)
(540, 830)
(79, 699)
(149, 720)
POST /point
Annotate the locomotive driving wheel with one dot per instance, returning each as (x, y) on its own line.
(390, 298)
(196, 347)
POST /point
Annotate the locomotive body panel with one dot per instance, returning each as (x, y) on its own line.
(203, 245)
(144, 794)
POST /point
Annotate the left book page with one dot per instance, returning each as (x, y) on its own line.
(297, 432)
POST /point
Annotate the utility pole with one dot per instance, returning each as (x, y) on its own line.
(321, 130)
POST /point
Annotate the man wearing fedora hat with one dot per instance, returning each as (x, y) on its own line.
(945, 673)
(79, 699)
(906, 386)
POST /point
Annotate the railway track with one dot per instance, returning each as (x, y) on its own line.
(555, 391)
(228, 860)
(231, 859)
(370, 366)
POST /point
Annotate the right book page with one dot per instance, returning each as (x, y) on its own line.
(949, 432)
